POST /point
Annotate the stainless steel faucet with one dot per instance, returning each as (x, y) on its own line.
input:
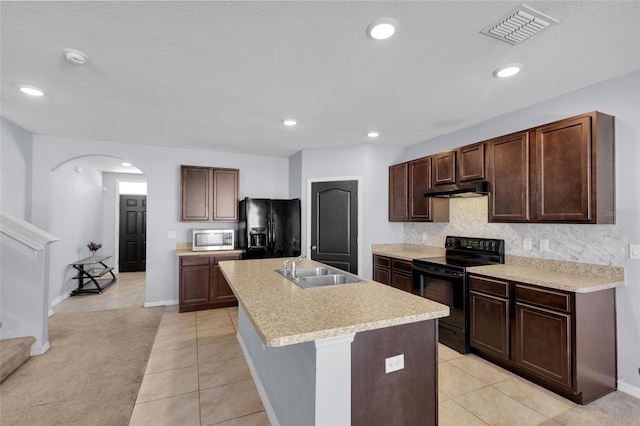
(284, 267)
(294, 265)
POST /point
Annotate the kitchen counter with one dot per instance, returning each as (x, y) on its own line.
(575, 282)
(407, 251)
(283, 313)
(560, 275)
(184, 249)
(321, 356)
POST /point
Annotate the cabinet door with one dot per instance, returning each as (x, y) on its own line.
(444, 168)
(489, 324)
(196, 200)
(220, 290)
(562, 161)
(399, 192)
(225, 195)
(419, 182)
(382, 269)
(194, 280)
(509, 178)
(401, 281)
(471, 162)
(543, 343)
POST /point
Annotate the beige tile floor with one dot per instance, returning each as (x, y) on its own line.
(197, 375)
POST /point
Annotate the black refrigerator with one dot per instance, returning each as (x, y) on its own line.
(269, 228)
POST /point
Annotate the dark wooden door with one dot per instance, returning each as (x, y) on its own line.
(334, 224)
(133, 233)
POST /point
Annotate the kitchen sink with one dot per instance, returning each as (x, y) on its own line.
(318, 277)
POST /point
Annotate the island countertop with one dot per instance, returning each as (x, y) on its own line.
(283, 313)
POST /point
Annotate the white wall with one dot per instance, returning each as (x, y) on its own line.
(260, 176)
(15, 176)
(370, 162)
(598, 244)
(76, 213)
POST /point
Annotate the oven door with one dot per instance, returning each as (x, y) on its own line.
(449, 288)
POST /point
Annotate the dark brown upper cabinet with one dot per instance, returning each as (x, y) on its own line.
(399, 192)
(472, 162)
(573, 171)
(208, 194)
(509, 178)
(419, 182)
(408, 182)
(444, 168)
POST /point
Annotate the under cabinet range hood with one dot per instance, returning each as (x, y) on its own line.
(464, 189)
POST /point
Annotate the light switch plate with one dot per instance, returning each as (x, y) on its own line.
(171, 235)
(544, 245)
(634, 251)
(527, 244)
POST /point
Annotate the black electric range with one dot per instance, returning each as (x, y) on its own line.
(444, 279)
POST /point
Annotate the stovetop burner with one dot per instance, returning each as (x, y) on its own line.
(464, 252)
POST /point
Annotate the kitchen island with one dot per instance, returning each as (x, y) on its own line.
(318, 356)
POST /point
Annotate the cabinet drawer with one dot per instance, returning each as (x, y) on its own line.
(552, 299)
(381, 261)
(223, 257)
(486, 285)
(194, 260)
(401, 266)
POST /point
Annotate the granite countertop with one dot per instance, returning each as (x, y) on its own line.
(407, 251)
(575, 282)
(189, 252)
(184, 249)
(561, 275)
(284, 314)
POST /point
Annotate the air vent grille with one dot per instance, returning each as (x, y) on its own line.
(519, 25)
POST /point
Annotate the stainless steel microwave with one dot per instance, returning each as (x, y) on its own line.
(212, 239)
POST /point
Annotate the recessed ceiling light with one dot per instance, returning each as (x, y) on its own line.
(382, 29)
(373, 134)
(126, 164)
(32, 91)
(507, 71)
(289, 122)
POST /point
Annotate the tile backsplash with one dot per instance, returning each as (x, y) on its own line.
(597, 244)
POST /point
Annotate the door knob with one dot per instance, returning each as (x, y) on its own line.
(314, 248)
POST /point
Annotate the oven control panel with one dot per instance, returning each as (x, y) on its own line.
(485, 245)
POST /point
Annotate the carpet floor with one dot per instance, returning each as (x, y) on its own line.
(91, 373)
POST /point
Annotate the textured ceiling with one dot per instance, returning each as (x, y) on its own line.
(223, 75)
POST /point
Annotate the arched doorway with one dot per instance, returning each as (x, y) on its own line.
(84, 208)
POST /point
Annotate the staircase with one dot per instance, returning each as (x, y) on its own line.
(13, 353)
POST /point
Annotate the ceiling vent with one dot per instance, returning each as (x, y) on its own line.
(519, 25)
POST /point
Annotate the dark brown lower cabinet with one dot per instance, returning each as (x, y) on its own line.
(393, 272)
(562, 340)
(202, 285)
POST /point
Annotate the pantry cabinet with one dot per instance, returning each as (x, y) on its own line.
(209, 194)
(564, 341)
(202, 285)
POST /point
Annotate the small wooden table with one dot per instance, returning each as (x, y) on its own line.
(93, 269)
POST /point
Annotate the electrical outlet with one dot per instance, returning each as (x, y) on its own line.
(171, 235)
(527, 244)
(424, 237)
(394, 363)
(634, 251)
(544, 245)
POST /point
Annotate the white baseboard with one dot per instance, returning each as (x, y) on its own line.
(629, 389)
(268, 408)
(161, 303)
